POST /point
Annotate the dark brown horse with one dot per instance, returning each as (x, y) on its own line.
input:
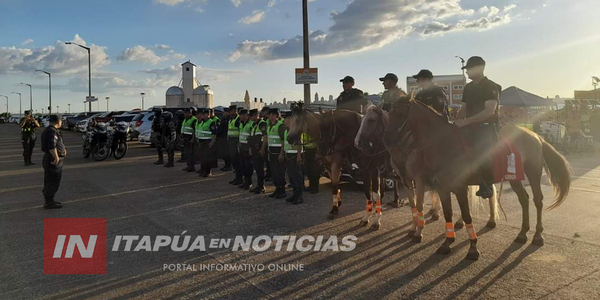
(448, 166)
(334, 132)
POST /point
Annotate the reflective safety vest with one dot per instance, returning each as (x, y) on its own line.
(203, 130)
(307, 142)
(186, 128)
(256, 128)
(273, 131)
(291, 149)
(232, 130)
(245, 131)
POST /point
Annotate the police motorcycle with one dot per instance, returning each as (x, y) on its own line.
(119, 140)
(97, 141)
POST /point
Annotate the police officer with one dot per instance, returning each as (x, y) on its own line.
(431, 94)
(54, 153)
(222, 143)
(479, 118)
(351, 99)
(392, 93)
(276, 131)
(311, 166)
(233, 139)
(169, 136)
(179, 142)
(244, 149)
(217, 122)
(28, 137)
(258, 144)
(156, 137)
(264, 114)
(293, 164)
(206, 136)
(187, 133)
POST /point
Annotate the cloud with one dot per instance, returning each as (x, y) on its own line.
(143, 54)
(237, 3)
(271, 3)
(256, 17)
(58, 59)
(367, 24)
(27, 41)
(169, 2)
(162, 46)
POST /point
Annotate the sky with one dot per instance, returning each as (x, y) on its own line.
(547, 47)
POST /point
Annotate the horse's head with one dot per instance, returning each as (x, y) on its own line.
(298, 124)
(372, 125)
(397, 121)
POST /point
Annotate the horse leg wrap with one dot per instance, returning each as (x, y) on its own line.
(369, 206)
(415, 215)
(420, 220)
(471, 231)
(336, 199)
(450, 234)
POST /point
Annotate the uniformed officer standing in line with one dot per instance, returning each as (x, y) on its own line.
(293, 164)
(217, 122)
(222, 143)
(169, 136)
(392, 93)
(264, 114)
(276, 131)
(311, 166)
(28, 137)
(54, 154)
(431, 94)
(479, 117)
(244, 150)
(233, 139)
(199, 117)
(179, 143)
(206, 135)
(351, 99)
(258, 133)
(187, 133)
(156, 137)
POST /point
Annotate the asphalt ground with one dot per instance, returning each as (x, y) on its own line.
(138, 198)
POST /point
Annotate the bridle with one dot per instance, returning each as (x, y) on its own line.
(378, 126)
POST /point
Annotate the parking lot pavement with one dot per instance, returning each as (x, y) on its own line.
(138, 198)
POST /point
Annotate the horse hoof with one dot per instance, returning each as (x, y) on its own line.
(411, 233)
(364, 223)
(538, 241)
(444, 250)
(435, 217)
(339, 203)
(376, 226)
(473, 254)
(490, 224)
(521, 240)
(459, 225)
(417, 238)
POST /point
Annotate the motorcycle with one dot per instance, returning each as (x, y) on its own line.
(119, 140)
(97, 142)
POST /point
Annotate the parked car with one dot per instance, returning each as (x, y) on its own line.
(2, 120)
(143, 122)
(83, 124)
(128, 118)
(64, 120)
(14, 120)
(72, 121)
(106, 118)
(145, 137)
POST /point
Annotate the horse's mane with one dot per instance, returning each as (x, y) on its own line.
(427, 106)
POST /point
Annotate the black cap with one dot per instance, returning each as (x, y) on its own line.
(53, 118)
(210, 111)
(424, 74)
(191, 110)
(232, 107)
(179, 112)
(243, 111)
(225, 109)
(27, 112)
(274, 110)
(265, 109)
(253, 112)
(474, 61)
(390, 76)
(287, 113)
(347, 79)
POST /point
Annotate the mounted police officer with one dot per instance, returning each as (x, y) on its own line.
(156, 134)
(479, 118)
(54, 153)
(431, 94)
(206, 136)
(351, 99)
(28, 137)
(258, 144)
(169, 136)
(233, 139)
(392, 93)
(246, 168)
(187, 133)
(275, 131)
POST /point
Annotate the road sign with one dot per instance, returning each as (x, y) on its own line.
(307, 76)
(90, 99)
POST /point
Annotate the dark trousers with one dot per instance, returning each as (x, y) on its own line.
(234, 155)
(246, 162)
(207, 155)
(190, 153)
(52, 176)
(312, 169)
(294, 172)
(28, 145)
(277, 170)
(482, 138)
(259, 166)
(223, 148)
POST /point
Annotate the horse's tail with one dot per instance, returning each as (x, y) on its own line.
(558, 170)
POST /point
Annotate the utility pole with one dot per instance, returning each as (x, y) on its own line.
(142, 94)
(49, 90)
(6, 104)
(89, 70)
(306, 51)
(107, 99)
(30, 96)
(20, 107)
(69, 105)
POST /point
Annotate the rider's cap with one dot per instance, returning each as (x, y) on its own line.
(347, 79)
(424, 74)
(474, 61)
(390, 76)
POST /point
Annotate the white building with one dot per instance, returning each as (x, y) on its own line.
(189, 92)
(254, 104)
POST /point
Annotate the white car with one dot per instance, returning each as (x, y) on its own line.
(145, 137)
(83, 124)
(143, 122)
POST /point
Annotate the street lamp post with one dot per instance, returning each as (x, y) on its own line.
(89, 70)
(20, 107)
(306, 50)
(57, 109)
(30, 96)
(49, 90)
(69, 105)
(6, 104)
(107, 99)
(142, 94)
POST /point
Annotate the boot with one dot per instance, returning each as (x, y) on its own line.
(26, 161)
(297, 198)
(160, 160)
(260, 190)
(252, 190)
(238, 180)
(275, 193)
(247, 183)
(282, 194)
(291, 198)
(170, 162)
(30, 162)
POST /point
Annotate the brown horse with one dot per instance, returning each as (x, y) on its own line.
(448, 166)
(334, 132)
